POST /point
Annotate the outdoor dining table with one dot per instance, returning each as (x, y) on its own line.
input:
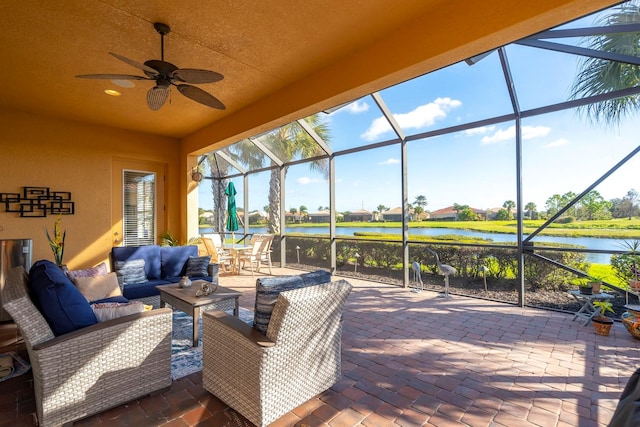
(236, 250)
(588, 310)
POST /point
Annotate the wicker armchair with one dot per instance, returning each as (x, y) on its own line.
(92, 369)
(264, 377)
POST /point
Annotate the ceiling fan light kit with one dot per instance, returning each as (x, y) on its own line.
(165, 75)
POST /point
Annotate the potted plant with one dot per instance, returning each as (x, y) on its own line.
(595, 282)
(585, 287)
(627, 265)
(602, 323)
(56, 241)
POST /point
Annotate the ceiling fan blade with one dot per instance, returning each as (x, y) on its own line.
(112, 77)
(195, 76)
(200, 96)
(156, 97)
(136, 64)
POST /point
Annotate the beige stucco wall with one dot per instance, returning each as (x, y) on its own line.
(39, 151)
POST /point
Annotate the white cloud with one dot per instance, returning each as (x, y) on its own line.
(304, 180)
(528, 132)
(557, 143)
(479, 131)
(391, 161)
(420, 117)
(357, 107)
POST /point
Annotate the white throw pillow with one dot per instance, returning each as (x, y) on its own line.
(113, 310)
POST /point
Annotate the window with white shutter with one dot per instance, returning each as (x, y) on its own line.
(139, 208)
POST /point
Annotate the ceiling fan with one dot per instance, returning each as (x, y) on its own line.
(166, 74)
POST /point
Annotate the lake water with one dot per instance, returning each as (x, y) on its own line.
(587, 242)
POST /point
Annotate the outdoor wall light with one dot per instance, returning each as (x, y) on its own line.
(196, 175)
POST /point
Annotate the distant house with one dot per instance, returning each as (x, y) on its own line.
(449, 213)
(320, 216)
(207, 218)
(293, 218)
(323, 216)
(444, 214)
(361, 215)
(395, 215)
(257, 217)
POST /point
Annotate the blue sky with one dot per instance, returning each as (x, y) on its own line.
(561, 151)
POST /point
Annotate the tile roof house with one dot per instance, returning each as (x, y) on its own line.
(449, 213)
(361, 215)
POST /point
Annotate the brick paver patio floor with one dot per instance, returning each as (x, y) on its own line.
(414, 359)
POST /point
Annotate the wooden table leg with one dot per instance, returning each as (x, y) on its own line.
(196, 326)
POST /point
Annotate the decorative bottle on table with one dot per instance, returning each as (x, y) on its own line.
(185, 282)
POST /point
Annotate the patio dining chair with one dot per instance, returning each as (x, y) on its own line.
(265, 251)
(254, 255)
(218, 254)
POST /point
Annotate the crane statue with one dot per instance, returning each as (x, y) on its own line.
(417, 276)
(445, 270)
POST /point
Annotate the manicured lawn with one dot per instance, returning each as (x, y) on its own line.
(615, 228)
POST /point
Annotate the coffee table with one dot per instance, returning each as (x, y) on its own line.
(185, 299)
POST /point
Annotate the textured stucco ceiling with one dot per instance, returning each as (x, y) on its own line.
(280, 58)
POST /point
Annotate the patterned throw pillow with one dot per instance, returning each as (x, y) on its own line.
(268, 289)
(198, 266)
(131, 271)
(98, 270)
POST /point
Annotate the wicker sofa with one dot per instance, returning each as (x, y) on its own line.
(162, 265)
(91, 369)
(265, 376)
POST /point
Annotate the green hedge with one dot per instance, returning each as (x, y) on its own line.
(501, 263)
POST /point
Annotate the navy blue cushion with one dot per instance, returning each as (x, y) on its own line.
(268, 289)
(143, 290)
(62, 305)
(150, 254)
(173, 259)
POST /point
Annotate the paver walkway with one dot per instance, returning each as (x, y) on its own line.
(413, 359)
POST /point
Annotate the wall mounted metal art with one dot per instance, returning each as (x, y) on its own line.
(36, 202)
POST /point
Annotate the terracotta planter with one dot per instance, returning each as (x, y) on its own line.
(602, 325)
(631, 319)
(634, 285)
(595, 286)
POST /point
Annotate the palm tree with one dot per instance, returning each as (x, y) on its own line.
(218, 170)
(600, 76)
(288, 142)
(421, 201)
(509, 205)
(530, 207)
(459, 208)
(380, 209)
